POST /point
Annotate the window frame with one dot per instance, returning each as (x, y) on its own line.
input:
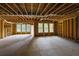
(48, 28)
(21, 25)
(41, 28)
(51, 28)
(19, 28)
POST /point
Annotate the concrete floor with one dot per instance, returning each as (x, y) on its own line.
(24, 45)
(9, 45)
(50, 46)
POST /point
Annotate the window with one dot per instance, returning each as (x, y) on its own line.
(51, 26)
(18, 27)
(45, 27)
(23, 28)
(40, 27)
(28, 28)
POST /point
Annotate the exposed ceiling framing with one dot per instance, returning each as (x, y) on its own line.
(41, 8)
(29, 11)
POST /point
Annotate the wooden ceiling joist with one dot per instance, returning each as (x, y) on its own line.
(64, 8)
(45, 8)
(73, 10)
(69, 9)
(18, 8)
(25, 8)
(58, 8)
(38, 8)
(27, 12)
(31, 8)
(11, 8)
(6, 9)
(51, 9)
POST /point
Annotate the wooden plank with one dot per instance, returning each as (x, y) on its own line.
(25, 9)
(18, 8)
(31, 8)
(70, 9)
(64, 8)
(38, 8)
(71, 29)
(45, 8)
(6, 9)
(74, 29)
(58, 8)
(11, 8)
(51, 8)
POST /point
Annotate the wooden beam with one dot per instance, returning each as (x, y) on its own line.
(64, 8)
(25, 9)
(58, 8)
(31, 8)
(18, 8)
(25, 17)
(20, 18)
(76, 9)
(11, 8)
(6, 9)
(45, 8)
(70, 9)
(51, 8)
(38, 8)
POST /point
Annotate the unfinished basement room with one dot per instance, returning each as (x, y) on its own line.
(39, 29)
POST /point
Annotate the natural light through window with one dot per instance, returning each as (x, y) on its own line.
(23, 28)
(51, 26)
(40, 27)
(45, 27)
(18, 27)
(28, 28)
